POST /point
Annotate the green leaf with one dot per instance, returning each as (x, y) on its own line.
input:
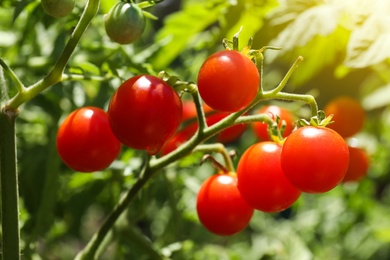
(369, 43)
(251, 20)
(319, 20)
(181, 27)
(377, 98)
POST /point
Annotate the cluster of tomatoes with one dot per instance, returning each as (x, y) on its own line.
(145, 113)
(271, 175)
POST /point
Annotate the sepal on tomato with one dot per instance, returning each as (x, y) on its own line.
(319, 120)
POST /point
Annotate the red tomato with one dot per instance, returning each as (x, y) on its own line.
(220, 206)
(261, 129)
(348, 115)
(261, 180)
(358, 165)
(85, 141)
(144, 113)
(228, 81)
(314, 159)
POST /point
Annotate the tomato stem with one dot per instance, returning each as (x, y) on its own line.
(9, 186)
(283, 82)
(15, 79)
(218, 148)
(56, 74)
(69, 77)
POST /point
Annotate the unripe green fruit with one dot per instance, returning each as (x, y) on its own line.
(124, 23)
(58, 8)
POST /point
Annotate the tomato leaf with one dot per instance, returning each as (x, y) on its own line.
(369, 43)
(318, 20)
(377, 98)
(181, 27)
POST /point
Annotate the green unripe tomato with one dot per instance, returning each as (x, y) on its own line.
(124, 23)
(57, 8)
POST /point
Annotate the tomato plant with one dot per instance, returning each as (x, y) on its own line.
(144, 113)
(124, 23)
(314, 159)
(228, 81)
(220, 206)
(58, 8)
(358, 165)
(261, 180)
(85, 141)
(260, 129)
(348, 115)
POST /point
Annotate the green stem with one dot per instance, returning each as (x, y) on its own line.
(9, 186)
(283, 82)
(90, 250)
(218, 148)
(308, 99)
(55, 75)
(265, 118)
(199, 109)
(69, 77)
(18, 84)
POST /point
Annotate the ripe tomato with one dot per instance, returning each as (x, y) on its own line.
(348, 115)
(85, 141)
(314, 159)
(58, 8)
(261, 129)
(261, 180)
(228, 81)
(124, 23)
(358, 165)
(220, 206)
(144, 113)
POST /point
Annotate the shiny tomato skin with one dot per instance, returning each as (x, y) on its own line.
(221, 208)
(314, 159)
(85, 141)
(348, 115)
(144, 113)
(261, 129)
(228, 81)
(358, 165)
(261, 180)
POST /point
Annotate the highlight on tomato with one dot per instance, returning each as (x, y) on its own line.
(358, 165)
(144, 113)
(85, 141)
(348, 115)
(220, 206)
(260, 129)
(228, 81)
(315, 158)
(261, 180)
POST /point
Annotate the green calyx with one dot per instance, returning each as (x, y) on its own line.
(319, 120)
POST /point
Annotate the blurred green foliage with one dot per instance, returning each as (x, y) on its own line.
(345, 50)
